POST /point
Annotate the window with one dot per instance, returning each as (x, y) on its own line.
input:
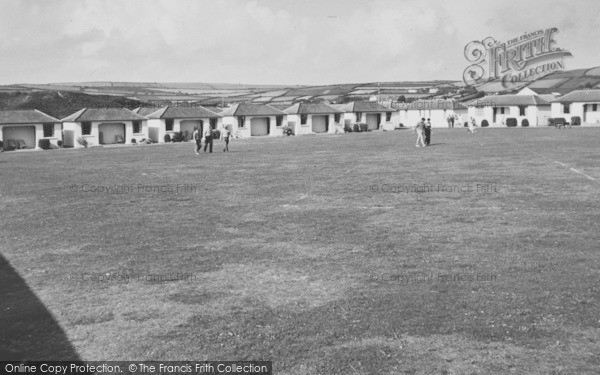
(169, 124)
(279, 120)
(213, 122)
(522, 110)
(567, 108)
(595, 107)
(388, 116)
(241, 121)
(86, 128)
(501, 110)
(336, 117)
(48, 130)
(303, 119)
(137, 126)
(358, 116)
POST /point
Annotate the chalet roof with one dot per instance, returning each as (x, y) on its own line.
(508, 100)
(25, 116)
(310, 108)
(433, 104)
(195, 111)
(581, 96)
(365, 107)
(103, 114)
(251, 109)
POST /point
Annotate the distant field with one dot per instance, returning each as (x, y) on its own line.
(334, 254)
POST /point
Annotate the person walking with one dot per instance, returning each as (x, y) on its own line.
(225, 134)
(450, 120)
(427, 132)
(197, 137)
(208, 138)
(418, 130)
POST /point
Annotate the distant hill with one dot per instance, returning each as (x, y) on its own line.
(62, 99)
(61, 104)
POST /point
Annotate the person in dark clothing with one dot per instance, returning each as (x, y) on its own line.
(427, 132)
(208, 139)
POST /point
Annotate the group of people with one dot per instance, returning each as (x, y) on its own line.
(207, 136)
(423, 130)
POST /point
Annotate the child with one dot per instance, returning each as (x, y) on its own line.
(472, 125)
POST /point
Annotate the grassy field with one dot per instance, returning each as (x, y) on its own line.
(333, 254)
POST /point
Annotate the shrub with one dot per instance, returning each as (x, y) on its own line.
(485, 123)
(133, 141)
(466, 124)
(401, 125)
(287, 130)
(575, 120)
(44, 144)
(167, 138)
(550, 121)
(187, 136)
(82, 141)
(511, 122)
(178, 137)
(364, 127)
(525, 122)
(59, 143)
(356, 128)
(1, 146)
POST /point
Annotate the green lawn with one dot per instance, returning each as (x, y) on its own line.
(308, 251)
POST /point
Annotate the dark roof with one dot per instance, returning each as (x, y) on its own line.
(430, 104)
(103, 114)
(581, 96)
(365, 107)
(508, 100)
(26, 116)
(142, 111)
(195, 111)
(248, 109)
(308, 108)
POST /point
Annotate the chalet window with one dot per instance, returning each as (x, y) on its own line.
(137, 126)
(388, 116)
(567, 108)
(48, 130)
(241, 121)
(522, 110)
(303, 119)
(595, 107)
(358, 116)
(336, 117)
(279, 120)
(86, 128)
(501, 111)
(169, 124)
(213, 122)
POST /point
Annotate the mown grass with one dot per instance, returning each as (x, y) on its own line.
(294, 250)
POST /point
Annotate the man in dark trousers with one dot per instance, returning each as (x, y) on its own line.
(208, 138)
(428, 132)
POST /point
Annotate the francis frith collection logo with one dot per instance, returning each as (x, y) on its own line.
(521, 59)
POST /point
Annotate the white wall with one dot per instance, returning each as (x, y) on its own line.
(157, 127)
(534, 115)
(72, 131)
(577, 109)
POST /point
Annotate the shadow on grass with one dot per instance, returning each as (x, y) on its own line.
(28, 330)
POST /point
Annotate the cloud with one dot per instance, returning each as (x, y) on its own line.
(269, 41)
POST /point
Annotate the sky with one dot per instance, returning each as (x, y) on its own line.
(308, 42)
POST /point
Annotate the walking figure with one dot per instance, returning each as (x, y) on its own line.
(208, 138)
(472, 125)
(197, 137)
(418, 130)
(225, 134)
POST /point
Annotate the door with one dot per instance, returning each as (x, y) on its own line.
(188, 126)
(111, 133)
(372, 121)
(259, 126)
(18, 136)
(319, 124)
